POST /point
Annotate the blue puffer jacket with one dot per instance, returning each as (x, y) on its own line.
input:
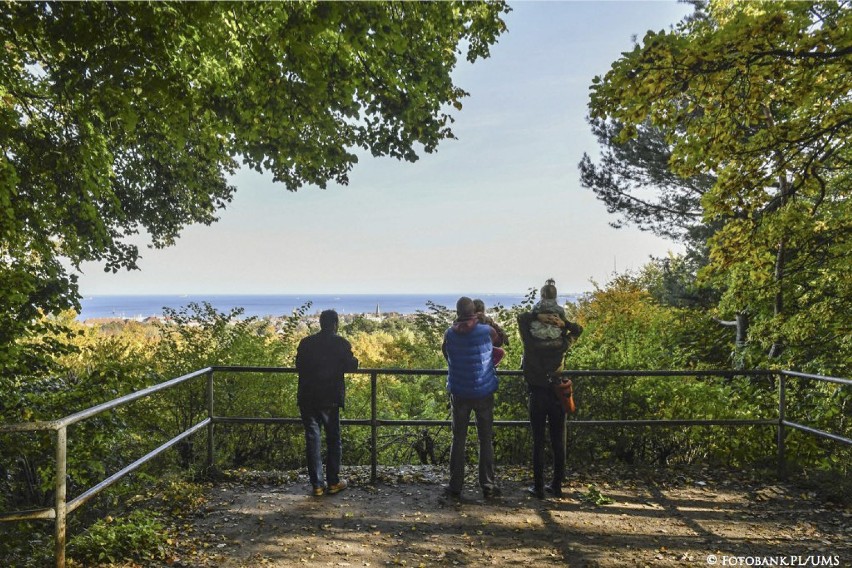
(467, 346)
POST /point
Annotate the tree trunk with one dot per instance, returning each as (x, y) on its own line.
(778, 307)
(778, 303)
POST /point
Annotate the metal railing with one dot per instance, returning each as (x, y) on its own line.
(63, 507)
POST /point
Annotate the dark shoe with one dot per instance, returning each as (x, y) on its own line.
(450, 492)
(337, 487)
(555, 491)
(491, 492)
(536, 492)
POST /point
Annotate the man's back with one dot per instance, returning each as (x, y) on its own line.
(471, 368)
(321, 361)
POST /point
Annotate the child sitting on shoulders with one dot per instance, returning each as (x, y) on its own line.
(498, 337)
(548, 334)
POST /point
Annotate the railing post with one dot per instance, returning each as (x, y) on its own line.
(565, 429)
(564, 437)
(374, 427)
(782, 411)
(211, 456)
(61, 488)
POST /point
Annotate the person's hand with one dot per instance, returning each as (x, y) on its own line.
(551, 319)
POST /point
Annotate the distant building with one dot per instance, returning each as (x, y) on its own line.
(374, 317)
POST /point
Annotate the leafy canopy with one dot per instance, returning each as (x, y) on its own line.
(121, 118)
(634, 180)
(757, 94)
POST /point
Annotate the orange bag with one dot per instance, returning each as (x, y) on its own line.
(565, 392)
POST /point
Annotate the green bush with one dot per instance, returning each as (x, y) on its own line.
(627, 324)
(141, 535)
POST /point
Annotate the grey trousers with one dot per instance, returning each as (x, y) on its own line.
(484, 410)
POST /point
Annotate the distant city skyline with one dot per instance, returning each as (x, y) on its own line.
(499, 210)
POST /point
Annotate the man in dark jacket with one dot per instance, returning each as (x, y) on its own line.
(540, 366)
(471, 383)
(321, 361)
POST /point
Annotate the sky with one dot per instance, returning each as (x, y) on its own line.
(499, 210)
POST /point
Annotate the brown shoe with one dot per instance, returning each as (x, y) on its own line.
(319, 491)
(337, 487)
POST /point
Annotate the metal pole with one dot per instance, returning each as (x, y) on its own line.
(782, 409)
(374, 428)
(211, 458)
(61, 488)
(565, 434)
(565, 438)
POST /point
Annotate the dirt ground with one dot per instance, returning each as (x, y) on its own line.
(406, 520)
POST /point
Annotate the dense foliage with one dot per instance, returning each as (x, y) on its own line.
(635, 181)
(125, 118)
(739, 120)
(729, 133)
(626, 326)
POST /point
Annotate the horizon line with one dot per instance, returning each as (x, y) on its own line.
(315, 293)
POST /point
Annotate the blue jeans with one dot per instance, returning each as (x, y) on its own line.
(546, 410)
(329, 419)
(484, 409)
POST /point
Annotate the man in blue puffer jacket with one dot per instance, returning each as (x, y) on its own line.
(471, 383)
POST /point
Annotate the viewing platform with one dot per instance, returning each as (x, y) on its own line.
(660, 518)
(399, 515)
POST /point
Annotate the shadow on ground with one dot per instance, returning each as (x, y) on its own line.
(406, 520)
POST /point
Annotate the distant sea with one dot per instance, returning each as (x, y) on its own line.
(140, 307)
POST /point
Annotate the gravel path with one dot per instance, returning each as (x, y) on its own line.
(406, 520)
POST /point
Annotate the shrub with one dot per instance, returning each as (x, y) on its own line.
(139, 536)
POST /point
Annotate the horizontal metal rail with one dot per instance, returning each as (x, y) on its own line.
(87, 495)
(384, 422)
(63, 507)
(822, 378)
(815, 432)
(52, 425)
(89, 412)
(29, 515)
(357, 421)
(782, 414)
(519, 373)
(676, 422)
(663, 373)
(38, 426)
